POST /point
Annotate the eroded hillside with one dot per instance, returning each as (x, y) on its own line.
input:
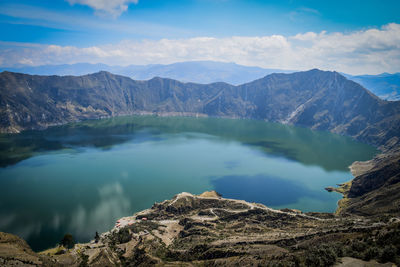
(208, 230)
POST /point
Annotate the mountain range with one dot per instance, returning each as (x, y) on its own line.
(386, 86)
(315, 99)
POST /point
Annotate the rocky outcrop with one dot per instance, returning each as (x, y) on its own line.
(315, 99)
(375, 190)
(14, 251)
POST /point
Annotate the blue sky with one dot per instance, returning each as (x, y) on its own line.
(79, 28)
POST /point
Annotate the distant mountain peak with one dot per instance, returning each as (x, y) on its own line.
(386, 86)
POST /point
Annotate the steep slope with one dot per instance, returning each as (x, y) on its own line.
(375, 190)
(316, 99)
(38, 101)
(328, 101)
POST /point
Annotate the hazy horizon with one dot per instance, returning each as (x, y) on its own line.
(339, 36)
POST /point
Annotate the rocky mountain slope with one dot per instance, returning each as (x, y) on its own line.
(208, 230)
(385, 85)
(375, 190)
(315, 99)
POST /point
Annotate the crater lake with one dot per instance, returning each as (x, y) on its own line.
(80, 178)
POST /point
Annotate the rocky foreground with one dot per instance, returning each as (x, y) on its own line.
(208, 230)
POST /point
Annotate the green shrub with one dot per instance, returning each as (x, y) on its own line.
(358, 245)
(68, 241)
(371, 253)
(322, 256)
(388, 254)
(122, 236)
(144, 225)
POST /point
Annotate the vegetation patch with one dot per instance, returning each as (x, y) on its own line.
(144, 225)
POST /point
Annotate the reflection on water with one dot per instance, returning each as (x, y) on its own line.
(300, 144)
(79, 178)
(279, 192)
(112, 203)
(80, 218)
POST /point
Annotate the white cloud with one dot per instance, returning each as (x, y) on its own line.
(367, 51)
(112, 7)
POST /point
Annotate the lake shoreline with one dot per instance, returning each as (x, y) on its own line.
(179, 115)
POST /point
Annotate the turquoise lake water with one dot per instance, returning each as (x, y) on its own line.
(80, 178)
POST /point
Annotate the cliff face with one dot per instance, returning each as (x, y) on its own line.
(315, 99)
(375, 190)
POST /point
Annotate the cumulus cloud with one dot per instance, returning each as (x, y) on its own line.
(112, 7)
(367, 51)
